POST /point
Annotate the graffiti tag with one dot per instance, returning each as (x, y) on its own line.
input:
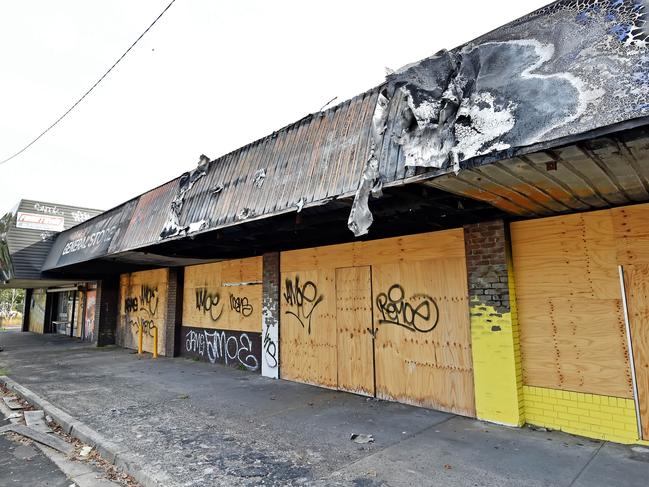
(304, 299)
(208, 303)
(396, 310)
(240, 305)
(221, 346)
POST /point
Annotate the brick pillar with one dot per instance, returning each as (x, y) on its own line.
(106, 311)
(270, 316)
(494, 327)
(174, 311)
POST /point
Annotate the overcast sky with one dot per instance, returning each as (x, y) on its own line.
(209, 77)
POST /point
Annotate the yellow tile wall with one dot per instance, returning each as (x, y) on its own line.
(601, 417)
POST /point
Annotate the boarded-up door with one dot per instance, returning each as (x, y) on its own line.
(308, 327)
(637, 290)
(423, 346)
(355, 329)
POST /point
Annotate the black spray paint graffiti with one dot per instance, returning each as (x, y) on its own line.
(147, 326)
(270, 350)
(240, 305)
(230, 348)
(208, 303)
(304, 298)
(395, 310)
(147, 301)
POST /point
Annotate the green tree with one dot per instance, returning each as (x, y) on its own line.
(11, 302)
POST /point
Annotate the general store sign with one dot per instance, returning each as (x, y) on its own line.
(54, 223)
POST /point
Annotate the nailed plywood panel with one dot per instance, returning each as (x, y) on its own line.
(632, 230)
(143, 303)
(37, 311)
(637, 290)
(569, 308)
(412, 248)
(242, 270)
(574, 344)
(308, 339)
(423, 346)
(223, 295)
(354, 334)
(571, 255)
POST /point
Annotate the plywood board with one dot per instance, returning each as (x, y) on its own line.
(574, 345)
(637, 290)
(354, 330)
(308, 339)
(412, 248)
(573, 255)
(224, 295)
(37, 311)
(632, 230)
(569, 307)
(423, 346)
(143, 303)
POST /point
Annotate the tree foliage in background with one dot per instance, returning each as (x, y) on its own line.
(11, 302)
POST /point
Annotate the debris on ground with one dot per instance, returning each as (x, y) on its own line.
(362, 439)
(85, 451)
(11, 403)
(36, 421)
(74, 449)
(42, 438)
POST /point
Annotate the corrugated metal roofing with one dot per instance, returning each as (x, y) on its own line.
(319, 157)
(598, 173)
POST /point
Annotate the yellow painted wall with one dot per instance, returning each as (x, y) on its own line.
(592, 415)
(497, 366)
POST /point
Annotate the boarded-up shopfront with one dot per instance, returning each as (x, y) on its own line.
(387, 318)
(143, 305)
(574, 344)
(221, 320)
(37, 311)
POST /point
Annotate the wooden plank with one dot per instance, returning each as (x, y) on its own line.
(241, 270)
(637, 289)
(573, 255)
(574, 345)
(37, 311)
(633, 234)
(411, 248)
(569, 310)
(354, 330)
(423, 347)
(143, 302)
(308, 339)
(224, 295)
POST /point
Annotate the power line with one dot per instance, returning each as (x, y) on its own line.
(91, 88)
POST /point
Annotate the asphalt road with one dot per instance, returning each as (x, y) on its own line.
(25, 465)
(196, 424)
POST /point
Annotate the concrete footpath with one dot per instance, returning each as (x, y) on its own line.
(195, 424)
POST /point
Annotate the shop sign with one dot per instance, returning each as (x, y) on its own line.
(34, 221)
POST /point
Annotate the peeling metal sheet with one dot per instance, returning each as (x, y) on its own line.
(566, 69)
(258, 179)
(172, 227)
